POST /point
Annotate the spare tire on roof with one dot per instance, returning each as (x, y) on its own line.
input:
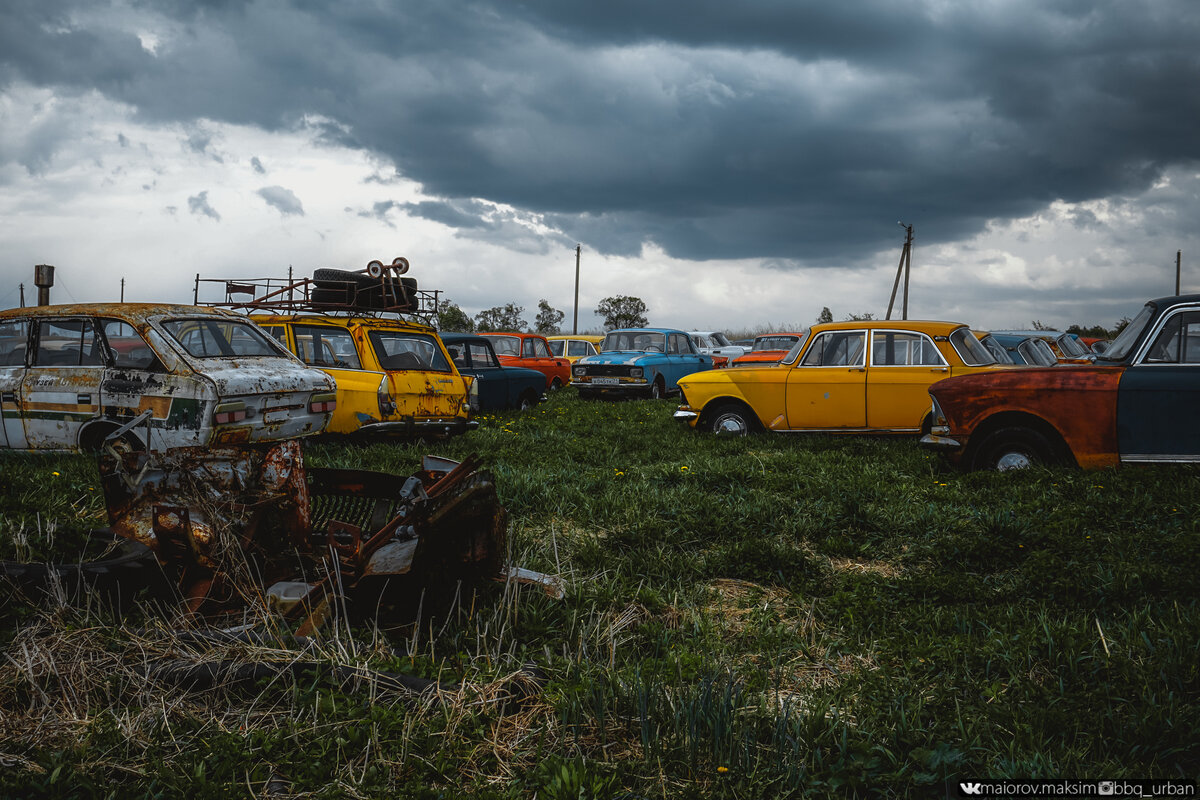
(342, 288)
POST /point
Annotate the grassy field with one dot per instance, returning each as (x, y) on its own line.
(771, 616)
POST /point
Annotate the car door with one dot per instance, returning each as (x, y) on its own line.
(136, 379)
(826, 390)
(14, 342)
(1158, 395)
(683, 359)
(902, 366)
(61, 388)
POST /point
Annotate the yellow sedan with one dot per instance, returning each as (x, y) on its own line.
(848, 377)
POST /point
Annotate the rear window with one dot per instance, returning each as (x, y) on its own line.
(220, 338)
(969, 349)
(773, 343)
(398, 350)
(14, 336)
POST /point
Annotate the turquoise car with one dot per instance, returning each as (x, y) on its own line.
(639, 362)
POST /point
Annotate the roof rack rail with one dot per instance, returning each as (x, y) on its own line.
(378, 289)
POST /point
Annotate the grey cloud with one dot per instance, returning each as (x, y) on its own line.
(122, 140)
(281, 199)
(258, 167)
(198, 204)
(794, 132)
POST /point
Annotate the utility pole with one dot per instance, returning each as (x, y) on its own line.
(21, 286)
(122, 290)
(575, 322)
(902, 268)
(1178, 260)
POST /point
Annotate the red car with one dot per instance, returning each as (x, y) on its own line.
(530, 351)
(770, 348)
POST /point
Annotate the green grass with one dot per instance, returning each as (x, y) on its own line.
(771, 616)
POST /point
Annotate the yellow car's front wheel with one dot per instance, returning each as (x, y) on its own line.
(731, 419)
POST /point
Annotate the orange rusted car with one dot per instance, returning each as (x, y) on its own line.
(531, 351)
(770, 348)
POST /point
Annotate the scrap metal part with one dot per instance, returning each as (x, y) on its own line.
(247, 522)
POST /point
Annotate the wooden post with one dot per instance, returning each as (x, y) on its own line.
(1178, 260)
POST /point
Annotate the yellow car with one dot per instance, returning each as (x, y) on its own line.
(393, 376)
(573, 347)
(847, 377)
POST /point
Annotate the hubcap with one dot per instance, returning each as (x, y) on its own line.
(730, 424)
(1013, 460)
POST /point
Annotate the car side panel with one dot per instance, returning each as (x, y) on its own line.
(898, 396)
(826, 398)
(1156, 408)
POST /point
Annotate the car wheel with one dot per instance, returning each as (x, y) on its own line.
(555, 385)
(731, 420)
(657, 390)
(527, 401)
(1013, 448)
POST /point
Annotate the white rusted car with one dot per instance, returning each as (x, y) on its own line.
(71, 375)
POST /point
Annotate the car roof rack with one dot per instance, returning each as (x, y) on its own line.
(380, 289)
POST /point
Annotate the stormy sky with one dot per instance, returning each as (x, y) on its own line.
(738, 166)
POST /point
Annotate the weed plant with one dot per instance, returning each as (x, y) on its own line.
(775, 616)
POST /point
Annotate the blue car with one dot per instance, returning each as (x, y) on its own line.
(640, 362)
(495, 387)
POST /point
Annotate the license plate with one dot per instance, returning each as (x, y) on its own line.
(606, 381)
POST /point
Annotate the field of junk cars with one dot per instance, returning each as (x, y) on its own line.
(293, 540)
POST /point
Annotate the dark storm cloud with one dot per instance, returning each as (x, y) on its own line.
(790, 131)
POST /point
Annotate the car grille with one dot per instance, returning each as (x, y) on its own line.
(607, 370)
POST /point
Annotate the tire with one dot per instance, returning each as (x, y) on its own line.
(731, 419)
(657, 390)
(555, 385)
(339, 287)
(527, 401)
(1013, 448)
(115, 579)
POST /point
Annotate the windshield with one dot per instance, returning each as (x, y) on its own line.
(1071, 346)
(720, 339)
(638, 341)
(398, 350)
(220, 338)
(997, 350)
(505, 345)
(969, 349)
(1127, 338)
(774, 343)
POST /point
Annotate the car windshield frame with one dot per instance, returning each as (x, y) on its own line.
(1122, 346)
(1071, 346)
(508, 339)
(998, 351)
(629, 337)
(972, 345)
(270, 347)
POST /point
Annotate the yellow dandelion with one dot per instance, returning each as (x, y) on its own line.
(681, 469)
(722, 770)
(55, 474)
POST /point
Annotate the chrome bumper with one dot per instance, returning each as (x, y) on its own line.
(421, 426)
(685, 416)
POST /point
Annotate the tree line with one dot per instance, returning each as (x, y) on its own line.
(618, 311)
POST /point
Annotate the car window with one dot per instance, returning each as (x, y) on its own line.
(997, 350)
(276, 332)
(1178, 342)
(1071, 346)
(836, 349)
(891, 349)
(773, 343)
(556, 347)
(481, 357)
(721, 340)
(398, 350)
(219, 338)
(67, 343)
(969, 349)
(129, 350)
(14, 338)
(505, 345)
(536, 348)
(575, 348)
(1130, 335)
(326, 346)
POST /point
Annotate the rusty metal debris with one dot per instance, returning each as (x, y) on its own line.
(251, 524)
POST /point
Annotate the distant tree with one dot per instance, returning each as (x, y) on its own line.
(1098, 331)
(1121, 325)
(622, 311)
(825, 316)
(1038, 326)
(500, 318)
(452, 318)
(860, 317)
(548, 319)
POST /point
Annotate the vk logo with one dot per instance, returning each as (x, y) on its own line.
(970, 788)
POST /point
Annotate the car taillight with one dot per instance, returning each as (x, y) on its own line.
(386, 406)
(322, 403)
(226, 413)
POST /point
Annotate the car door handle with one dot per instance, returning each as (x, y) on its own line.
(939, 369)
(83, 399)
(858, 369)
